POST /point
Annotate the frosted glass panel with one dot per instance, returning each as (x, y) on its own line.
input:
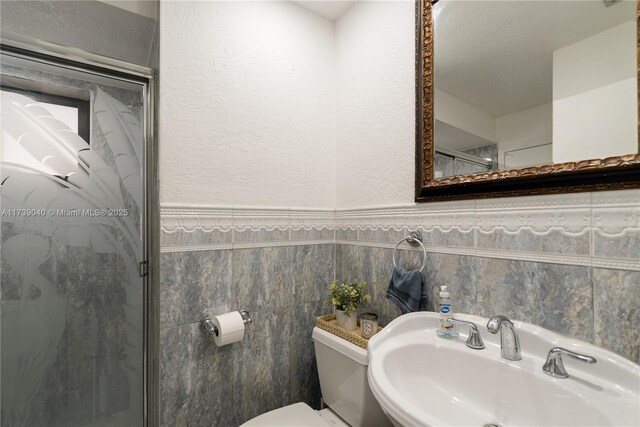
(67, 115)
(71, 300)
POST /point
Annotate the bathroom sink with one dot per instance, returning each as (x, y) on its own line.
(420, 379)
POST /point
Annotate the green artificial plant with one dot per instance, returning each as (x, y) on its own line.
(348, 296)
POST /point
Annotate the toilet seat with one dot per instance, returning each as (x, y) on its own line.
(296, 415)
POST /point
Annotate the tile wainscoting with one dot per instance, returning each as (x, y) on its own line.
(569, 263)
(283, 288)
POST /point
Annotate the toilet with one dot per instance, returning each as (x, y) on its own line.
(342, 369)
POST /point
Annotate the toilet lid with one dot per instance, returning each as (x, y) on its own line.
(296, 415)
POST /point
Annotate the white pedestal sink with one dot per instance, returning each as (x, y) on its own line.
(420, 379)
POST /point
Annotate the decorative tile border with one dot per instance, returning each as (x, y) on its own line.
(595, 222)
(191, 218)
(250, 245)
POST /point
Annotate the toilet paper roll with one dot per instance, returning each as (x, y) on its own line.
(230, 328)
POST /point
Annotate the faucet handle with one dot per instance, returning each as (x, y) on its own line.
(554, 365)
(493, 325)
(509, 342)
(474, 340)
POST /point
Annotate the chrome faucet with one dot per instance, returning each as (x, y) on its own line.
(509, 341)
(554, 366)
(474, 340)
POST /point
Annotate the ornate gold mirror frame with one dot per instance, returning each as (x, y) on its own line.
(612, 173)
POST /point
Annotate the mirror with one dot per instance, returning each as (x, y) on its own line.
(512, 93)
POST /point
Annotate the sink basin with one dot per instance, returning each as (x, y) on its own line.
(420, 379)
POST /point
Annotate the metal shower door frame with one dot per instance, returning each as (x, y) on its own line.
(80, 60)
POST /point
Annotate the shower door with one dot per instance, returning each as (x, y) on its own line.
(73, 250)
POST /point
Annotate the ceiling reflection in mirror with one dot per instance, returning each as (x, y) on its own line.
(526, 83)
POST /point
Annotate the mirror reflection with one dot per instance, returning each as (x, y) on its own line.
(525, 83)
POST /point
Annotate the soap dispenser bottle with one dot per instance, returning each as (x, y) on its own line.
(445, 328)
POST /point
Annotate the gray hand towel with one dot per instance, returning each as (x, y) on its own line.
(406, 289)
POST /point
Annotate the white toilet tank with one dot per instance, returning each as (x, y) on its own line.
(342, 368)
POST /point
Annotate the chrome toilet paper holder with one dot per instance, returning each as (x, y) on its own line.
(207, 325)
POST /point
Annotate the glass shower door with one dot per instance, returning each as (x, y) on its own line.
(72, 203)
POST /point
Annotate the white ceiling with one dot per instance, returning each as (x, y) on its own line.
(457, 139)
(497, 55)
(329, 9)
(148, 8)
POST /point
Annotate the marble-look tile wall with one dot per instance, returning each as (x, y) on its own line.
(557, 297)
(593, 304)
(283, 285)
(570, 264)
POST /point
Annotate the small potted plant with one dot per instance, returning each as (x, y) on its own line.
(346, 298)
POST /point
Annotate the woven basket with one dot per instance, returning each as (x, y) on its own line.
(328, 323)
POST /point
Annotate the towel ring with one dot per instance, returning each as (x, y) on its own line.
(414, 239)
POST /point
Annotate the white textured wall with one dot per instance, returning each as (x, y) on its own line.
(375, 139)
(265, 104)
(595, 96)
(247, 109)
(523, 129)
(451, 110)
